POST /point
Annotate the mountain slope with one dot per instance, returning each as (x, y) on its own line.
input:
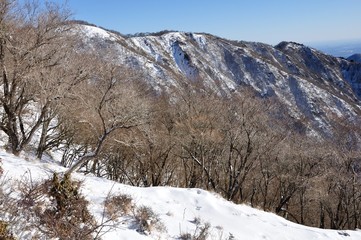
(178, 210)
(355, 57)
(310, 84)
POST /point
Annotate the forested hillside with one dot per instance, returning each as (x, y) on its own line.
(277, 128)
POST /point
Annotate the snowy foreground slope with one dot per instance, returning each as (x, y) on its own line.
(178, 209)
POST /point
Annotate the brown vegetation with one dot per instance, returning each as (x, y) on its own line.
(110, 124)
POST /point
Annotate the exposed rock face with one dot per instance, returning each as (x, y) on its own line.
(312, 85)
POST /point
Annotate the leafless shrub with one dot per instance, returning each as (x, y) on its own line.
(46, 209)
(4, 231)
(118, 205)
(146, 220)
(54, 208)
(201, 232)
(67, 217)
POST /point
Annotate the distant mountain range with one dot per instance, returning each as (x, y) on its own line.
(339, 49)
(355, 58)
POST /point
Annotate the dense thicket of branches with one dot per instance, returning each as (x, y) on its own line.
(35, 53)
(236, 148)
(108, 123)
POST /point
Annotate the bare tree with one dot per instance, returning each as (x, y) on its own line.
(197, 124)
(33, 42)
(110, 101)
(157, 146)
(54, 86)
(248, 139)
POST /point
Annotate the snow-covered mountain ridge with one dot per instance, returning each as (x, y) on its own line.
(310, 84)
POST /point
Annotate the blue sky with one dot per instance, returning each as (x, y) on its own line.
(269, 21)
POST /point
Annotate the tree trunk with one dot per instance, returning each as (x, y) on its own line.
(42, 141)
(322, 216)
(13, 143)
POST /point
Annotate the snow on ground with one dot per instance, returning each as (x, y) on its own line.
(92, 31)
(178, 209)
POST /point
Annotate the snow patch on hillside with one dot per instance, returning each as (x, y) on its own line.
(183, 61)
(91, 31)
(200, 39)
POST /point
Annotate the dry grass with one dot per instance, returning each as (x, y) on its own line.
(4, 232)
(118, 205)
(147, 221)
